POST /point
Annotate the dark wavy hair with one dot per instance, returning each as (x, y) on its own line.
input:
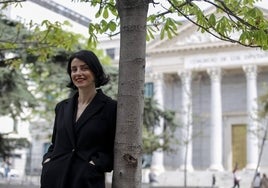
(93, 64)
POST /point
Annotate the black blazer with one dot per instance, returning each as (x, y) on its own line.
(74, 144)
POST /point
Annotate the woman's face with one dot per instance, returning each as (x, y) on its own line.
(81, 75)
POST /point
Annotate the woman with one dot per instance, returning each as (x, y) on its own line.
(236, 178)
(83, 136)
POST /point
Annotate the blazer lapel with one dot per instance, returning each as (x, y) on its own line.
(68, 117)
(96, 104)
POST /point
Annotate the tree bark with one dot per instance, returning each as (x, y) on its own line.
(128, 141)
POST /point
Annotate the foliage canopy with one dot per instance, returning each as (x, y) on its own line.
(234, 21)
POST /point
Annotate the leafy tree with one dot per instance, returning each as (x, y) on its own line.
(151, 119)
(32, 71)
(20, 50)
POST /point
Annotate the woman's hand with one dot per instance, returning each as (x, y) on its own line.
(91, 162)
(46, 161)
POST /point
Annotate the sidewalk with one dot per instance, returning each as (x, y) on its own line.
(25, 182)
(17, 186)
(168, 179)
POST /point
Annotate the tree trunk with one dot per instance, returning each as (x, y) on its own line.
(128, 142)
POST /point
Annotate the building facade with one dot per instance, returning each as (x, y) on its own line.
(213, 86)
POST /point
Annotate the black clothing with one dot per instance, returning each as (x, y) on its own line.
(75, 144)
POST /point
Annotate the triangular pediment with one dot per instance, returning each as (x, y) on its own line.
(189, 37)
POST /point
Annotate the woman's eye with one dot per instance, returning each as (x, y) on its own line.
(84, 68)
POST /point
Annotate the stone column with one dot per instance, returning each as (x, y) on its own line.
(252, 140)
(158, 156)
(216, 120)
(186, 148)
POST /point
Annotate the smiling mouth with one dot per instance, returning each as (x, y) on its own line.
(79, 79)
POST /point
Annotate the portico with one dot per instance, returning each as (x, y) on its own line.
(204, 95)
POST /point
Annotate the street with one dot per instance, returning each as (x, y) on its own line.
(2, 185)
(26, 182)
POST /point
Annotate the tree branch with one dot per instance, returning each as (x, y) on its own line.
(230, 12)
(221, 36)
(11, 1)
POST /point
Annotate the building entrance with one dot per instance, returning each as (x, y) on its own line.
(239, 145)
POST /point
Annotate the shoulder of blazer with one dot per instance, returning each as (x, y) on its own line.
(65, 101)
(101, 96)
(105, 98)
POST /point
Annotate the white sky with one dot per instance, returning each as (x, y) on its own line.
(6, 124)
(31, 11)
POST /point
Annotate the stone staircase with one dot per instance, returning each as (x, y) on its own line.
(196, 179)
(203, 179)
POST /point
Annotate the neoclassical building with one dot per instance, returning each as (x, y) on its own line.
(213, 87)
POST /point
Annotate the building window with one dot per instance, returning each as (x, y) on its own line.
(111, 52)
(149, 89)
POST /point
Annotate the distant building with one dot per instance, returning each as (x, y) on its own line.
(213, 87)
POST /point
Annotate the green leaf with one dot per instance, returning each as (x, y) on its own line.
(162, 34)
(105, 13)
(112, 26)
(98, 13)
(212, 20)
(169, 34)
